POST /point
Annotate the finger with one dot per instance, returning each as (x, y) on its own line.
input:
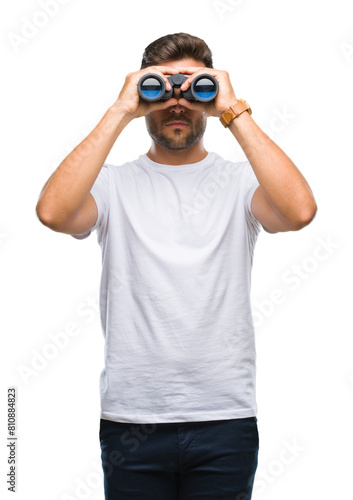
(165, 68)
(159, 105)
(192, 69)
(193, 75)
(193, 105)
(162, 71)
(155, 71)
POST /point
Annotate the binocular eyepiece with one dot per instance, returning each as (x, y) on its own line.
(151, 87)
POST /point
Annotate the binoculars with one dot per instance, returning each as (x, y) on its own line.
(151, 87)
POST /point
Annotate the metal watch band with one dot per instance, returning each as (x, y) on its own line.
(235, 110)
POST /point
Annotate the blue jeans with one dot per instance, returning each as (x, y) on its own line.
(179, 460)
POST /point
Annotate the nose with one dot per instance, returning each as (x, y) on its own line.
(177, 108)
(177, 93)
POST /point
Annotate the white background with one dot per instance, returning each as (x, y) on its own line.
(283, 57)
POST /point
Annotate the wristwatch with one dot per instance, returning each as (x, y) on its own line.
(234, 111)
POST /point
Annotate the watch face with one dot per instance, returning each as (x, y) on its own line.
(228, 115)
(235, 110)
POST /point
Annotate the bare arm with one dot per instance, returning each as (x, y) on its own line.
(65, 203)
(284, 200)
(67, 189)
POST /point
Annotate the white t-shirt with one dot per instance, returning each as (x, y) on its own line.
(177, 250)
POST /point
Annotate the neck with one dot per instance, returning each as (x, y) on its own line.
(193, 154)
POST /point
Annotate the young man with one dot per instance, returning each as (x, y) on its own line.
(177, 228)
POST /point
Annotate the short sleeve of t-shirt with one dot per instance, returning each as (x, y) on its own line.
(251, 184)
(101, 195)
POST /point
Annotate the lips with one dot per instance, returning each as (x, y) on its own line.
(177, 123)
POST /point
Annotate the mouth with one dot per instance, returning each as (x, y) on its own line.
(177, 124)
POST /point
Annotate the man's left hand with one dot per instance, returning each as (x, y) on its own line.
(225, 97)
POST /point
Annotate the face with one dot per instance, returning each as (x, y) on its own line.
(177, 127)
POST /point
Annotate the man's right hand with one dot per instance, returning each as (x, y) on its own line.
(129, 99)
(65, 203)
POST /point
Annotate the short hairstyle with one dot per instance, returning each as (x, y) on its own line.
(174, 47)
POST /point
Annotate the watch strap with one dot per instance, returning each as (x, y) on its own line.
(235, 110)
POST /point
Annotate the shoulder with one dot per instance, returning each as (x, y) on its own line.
(120, 170)
(238, 169)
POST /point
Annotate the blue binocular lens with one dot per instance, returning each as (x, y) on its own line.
(152, 88)
(204, 89)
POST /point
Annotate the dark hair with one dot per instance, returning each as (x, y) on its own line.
(174, 47)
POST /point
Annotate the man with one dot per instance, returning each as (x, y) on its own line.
(177, 228)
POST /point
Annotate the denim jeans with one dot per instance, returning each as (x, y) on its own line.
(179, 460)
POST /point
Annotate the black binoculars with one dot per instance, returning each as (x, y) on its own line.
(151, 87)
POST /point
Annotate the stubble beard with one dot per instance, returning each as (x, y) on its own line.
(179, 139)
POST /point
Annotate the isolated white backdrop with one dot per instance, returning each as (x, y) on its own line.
(293, 62)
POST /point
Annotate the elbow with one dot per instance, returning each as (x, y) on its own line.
(45, 217)
(306, 216)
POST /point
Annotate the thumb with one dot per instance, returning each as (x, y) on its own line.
(193, 105)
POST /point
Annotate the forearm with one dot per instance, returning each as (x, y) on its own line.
(282, 183)
(67, 188)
